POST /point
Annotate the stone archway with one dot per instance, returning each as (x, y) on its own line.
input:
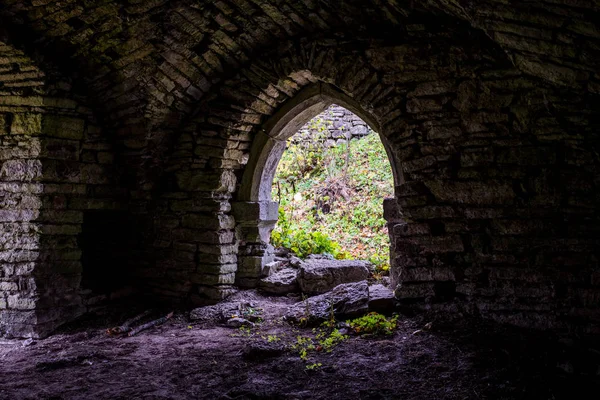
(255, 211)
(478, 149)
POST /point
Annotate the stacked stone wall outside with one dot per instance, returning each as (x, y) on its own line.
(333, 127)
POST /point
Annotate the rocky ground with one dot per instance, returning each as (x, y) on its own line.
(427, 357)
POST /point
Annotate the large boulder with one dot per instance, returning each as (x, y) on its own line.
(317, 276)
(346, 300)
(282, 282)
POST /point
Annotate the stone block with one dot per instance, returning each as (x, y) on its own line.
(60, 149)
(477, 158)
(475, 192)
(280, 283)
(195, 180)
(414, 291)
(220, 250)
(21, 170)
(215, 238)
(432, 88)
(5, 123)
(253, 213)
(217, 269)
(20, 302)
(63, 127)
(64, 229)
(427, 274)
(422, 105)
(443, 132)
(346, 300)
(430, 212)
(381, 298)
(8, 286)
(527, 156)
(211, 280)
(15, 323)
(26, 124)
(559, 75)
(321, 275)
(411, 229)
(216, 292)
(391, 210)
(440, 244)
(252, 266)
(105, 158)
(217, 222)
(419, 164)
(216, 259)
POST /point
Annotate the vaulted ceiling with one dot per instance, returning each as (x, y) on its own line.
(142, 58)
(145, 65)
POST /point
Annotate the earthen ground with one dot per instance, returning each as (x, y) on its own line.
(458, 359)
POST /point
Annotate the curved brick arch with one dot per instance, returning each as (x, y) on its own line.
(213, 155)
(254, 210)
(269, 143)
(479, 145)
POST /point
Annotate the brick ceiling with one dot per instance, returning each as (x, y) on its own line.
(147, 57)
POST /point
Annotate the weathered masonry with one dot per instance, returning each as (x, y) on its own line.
(137, 139)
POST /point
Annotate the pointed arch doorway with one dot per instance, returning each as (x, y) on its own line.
(255, 211)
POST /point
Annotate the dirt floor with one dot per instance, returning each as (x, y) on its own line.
(460, 359)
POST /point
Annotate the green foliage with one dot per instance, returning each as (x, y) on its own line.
(273, 338)
(304, 242)
(327, 341)
(324, 341)
(374, 323)
(303, 346)
(243, 331)
(331, 199)
(314, 366)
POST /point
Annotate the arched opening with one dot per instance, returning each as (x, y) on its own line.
(256, 212)
(330, 184)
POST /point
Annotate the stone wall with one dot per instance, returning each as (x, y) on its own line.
(492, 200)
(149, 116)
(334, 126)
(55, 165)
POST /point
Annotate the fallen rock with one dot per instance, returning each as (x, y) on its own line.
(272, 268)
(324, 256)
(295, 262)
(259, 351)
(381, 298)
(317, 276)
(220, 313)
(346, 300)
(237, 322)
(282, 282)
